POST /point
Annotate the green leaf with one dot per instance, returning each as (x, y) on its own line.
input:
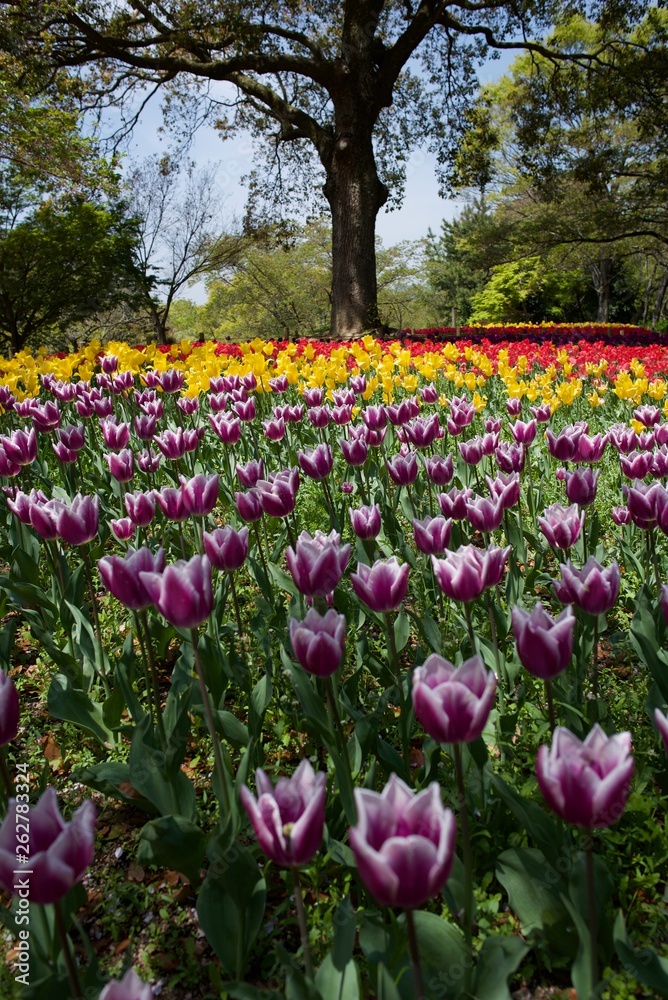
(232, 729)
(108, 779)
(499, 958)
(337, 984)
(66, 702)
(230, 907)
(534, 890)
(158, 776)
(173, 842)
(402, 630)
(643, 963)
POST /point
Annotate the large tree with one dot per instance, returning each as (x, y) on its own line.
(578, 160)
(357, 82)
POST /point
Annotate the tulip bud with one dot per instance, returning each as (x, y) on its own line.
(404, 843)
(226, 548)
(120, 575)
(586, 783)
(182, 593)
(319, 641)
(382, 587)
(366, 521)
(453, 703)
(317, 564)
(289, 819)
(592, 588)
(544, 644)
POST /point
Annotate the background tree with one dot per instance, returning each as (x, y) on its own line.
(181, 233)
(60, 261)
(358, 83)
(577, 159)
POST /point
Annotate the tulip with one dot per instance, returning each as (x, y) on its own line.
(544, 644)
(63, 454)
(314, 397)
(453, 704)
(647, 415)
(77, 523)
(278, 494)
(581, 485)
(140, 508)
(274, 429)
(659, 466)
(171, 381)
(358, 384)
(561, 525)
(347, 487)
(382, 587)
(59, 852)
(9, 709)
(376, 437)
(182, 593)
(46, 416)
(661, 723)
(279, 384)
(22, 502)
(226, 548)
(493, 425)
(422, 432)
(43, 519)
(505, 488)
(121, 575)
(590, 449)
(130, 987)
(398, 413)
(245, 410)
(355, 449)
(200, 494)
(514, 406)
(192, 437)
(429, 393)
(621, 515)
(489, 442)
(121, 465)
(644, 502)
(217, 402)
(453, 503)
(471, 451)
(403, 469)
(586, 783)
(465, 574)
(404, 843)
(541, 413)
(249, 473)
(20, 448)
(432, 535)
(484, 513)
(73, 436)
(319, 641)
(248, 505)
(637, 464)
(145, 426)
(289, 819)
(123, 527)
(319, 416)
(116, 436)
(440, 470)
(8, 469)
(171, 503)
(366, 521)
(316, 463)
(317, 563)
(149, 460)
(524, 433)
(462, 413)
(510, 457)
(564, 445)
(343, 397)
(592, 588)
(374, 417)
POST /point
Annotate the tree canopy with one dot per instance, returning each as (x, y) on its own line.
(347, 88)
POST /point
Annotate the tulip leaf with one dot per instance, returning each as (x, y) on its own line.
(173, 842)
(646, 642)
(541, 828)
(581, 967)
(443, 956)
(158, 776)
(402, 630)
(312, 705)
(386, 988)
(534, 891)
(337, 984)
(230, 907)
(643, 963)
(283, 580)
(66, 702)
(499, 958)
(232, 729)
(113, 778)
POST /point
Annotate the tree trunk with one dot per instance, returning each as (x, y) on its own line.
(601, 272)
(659, 299)
(355, 195)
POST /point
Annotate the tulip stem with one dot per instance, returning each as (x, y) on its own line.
(70, 962)
(550, 704)
(210, 723)
(468, 862)
(150, 673)
(591, 901)
(237, 610)
(337, 727)
(655, 561)
(303, 929)
(414, 951)
(4, 773)
(595, 657)
(469, 623)
(259, 548)
(403, 717)
(504, 687)
(96, 617)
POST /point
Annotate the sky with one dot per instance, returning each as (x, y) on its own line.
(422, 208)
